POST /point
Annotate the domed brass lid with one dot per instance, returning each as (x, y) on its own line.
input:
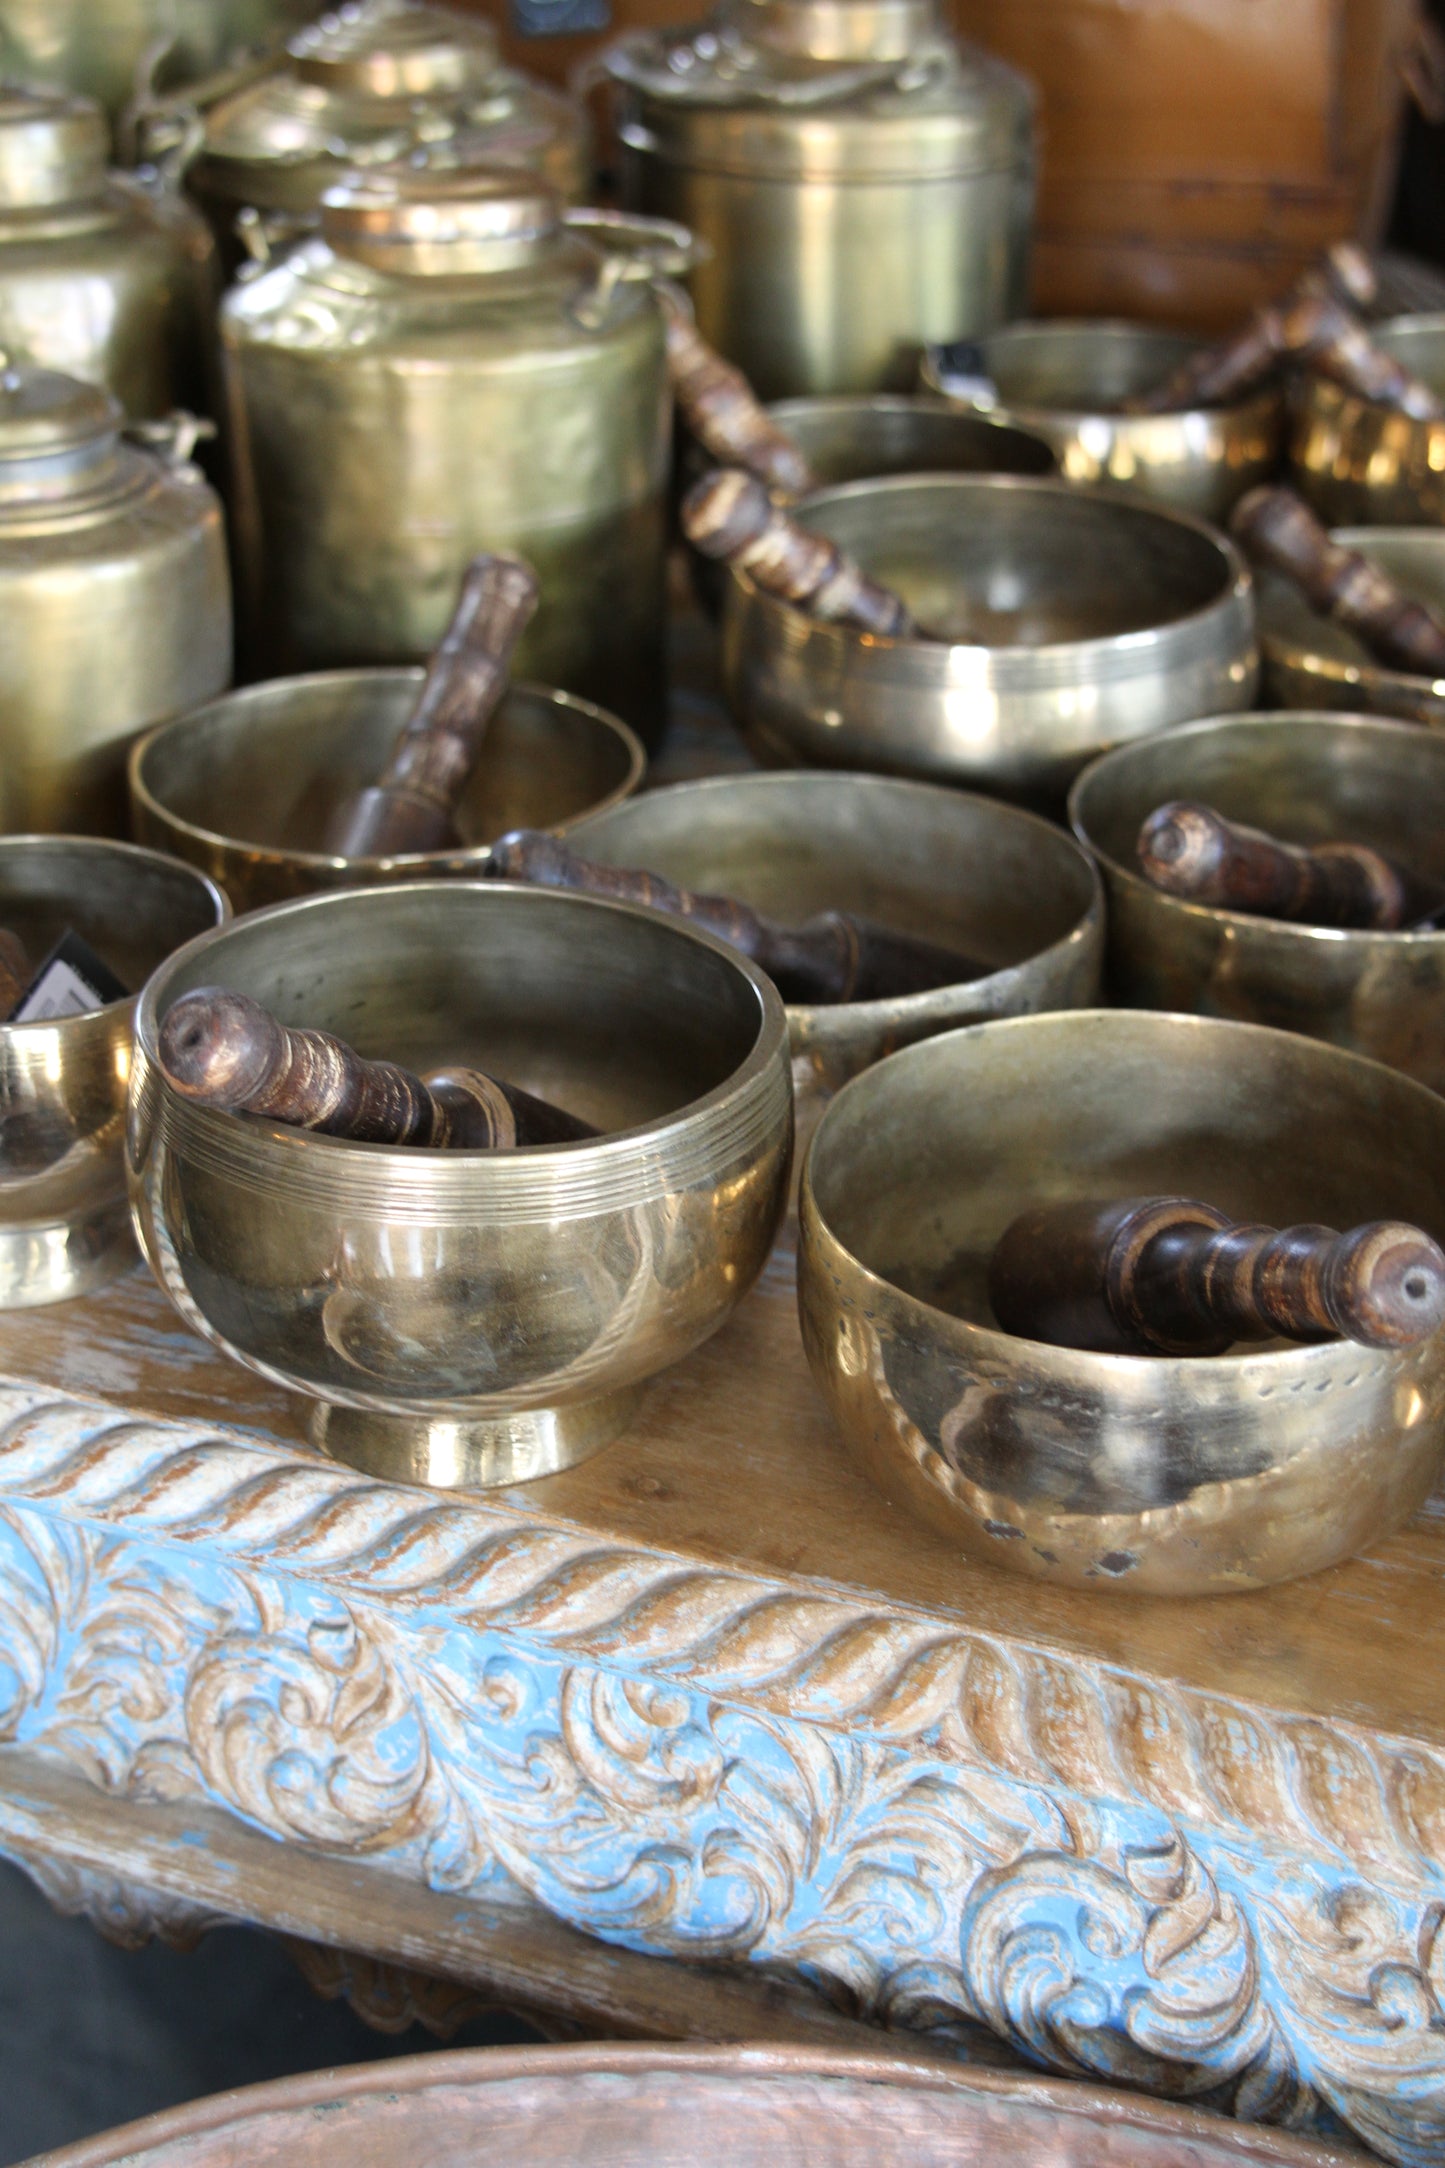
(389, 49)
(423, 219)
(44, 414)
(53, 148)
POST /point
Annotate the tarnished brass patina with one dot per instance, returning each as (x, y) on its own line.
(1172, 1476)
(1065, 381)
(474, 1317)
(114, 596)
(1360, 463)
(374, 83)
(453, 366)
(245, 787)
(105, 276)
(1064, 621)
(1311, 661)
(866, 184)
(102, 48)
(64, 1223)
(1003, 886)
(1309, 779)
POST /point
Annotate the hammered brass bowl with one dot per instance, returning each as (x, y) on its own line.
(474, 1317)
(1310, 779)
(1063, 621)
(245, 786)
(1174, 1476)
(1363, 464)
(1311, 662)
(64, 1224)
(1065, 379)
(1009, 889)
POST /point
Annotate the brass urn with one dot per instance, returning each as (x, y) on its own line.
(104, 48)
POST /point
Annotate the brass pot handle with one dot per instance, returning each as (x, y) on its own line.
(171, 438)
(265, 235)
(636, 251)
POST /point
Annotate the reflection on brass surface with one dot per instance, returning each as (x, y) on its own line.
(1308, 778)
(245, 787)
(1167, 1475)
(64, 1228)
(1311, 661)
(1360, 463)
(1063, 621)
(1065, 381)
(968, 872)
(465, 1317)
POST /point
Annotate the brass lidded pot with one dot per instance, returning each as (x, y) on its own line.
(370, 84)
(114, 595)
(102, 47)
(865, 183)
(102, 275)
(453, 364)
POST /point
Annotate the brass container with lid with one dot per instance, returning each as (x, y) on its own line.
(865, 184)
(103, 275)
(114, 596)
(102, 48)
(454, 364)
(369, 85)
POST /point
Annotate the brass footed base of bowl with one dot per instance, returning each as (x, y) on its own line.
(456, 1453)
(54, 1261)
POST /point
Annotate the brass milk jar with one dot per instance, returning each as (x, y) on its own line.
(450, 367)
(115, 600)
(102, 276)
(367, 86)
(101, 47)
(865, 184)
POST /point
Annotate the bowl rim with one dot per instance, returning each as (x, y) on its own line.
(420, 863)
(1265, 403)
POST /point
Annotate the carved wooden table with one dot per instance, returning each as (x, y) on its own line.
(708, 1697)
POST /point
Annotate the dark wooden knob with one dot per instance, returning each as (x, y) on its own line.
(834, 957)
(723, 411)
(412, 804)
(1244, 359)
(1279, 530)
(1318, 332)
(729, 514)
(1171, 1276)
(1191, 851)
(16, 971)
(224, 1050)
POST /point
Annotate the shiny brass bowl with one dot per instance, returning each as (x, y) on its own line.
(1362, 464)
(1311, 779)
(1311, 662)
(1009, 889)
(1065, 380)
(1064, 621)
(64, 1226)
(474, 1317)
(849, 438)
(1175, 1476)
(245, 786)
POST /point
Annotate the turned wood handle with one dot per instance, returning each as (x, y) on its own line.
(833, 957)
(1278, 529)
(1191, 851)
(729, 514)
(1238, 363)
(1319, 332)
(1171, 1276)
(16, 971)
(723, 411)
(221, 1049)
(411, 805)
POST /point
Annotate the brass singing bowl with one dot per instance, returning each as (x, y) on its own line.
(64, 1223)
(1311, 779)
(245, 787)
(1311, 662)
(1010, 890)
(1363, 464)
(1174, 1476)
(1064, 621)
(469, 1318)
(1065, 381)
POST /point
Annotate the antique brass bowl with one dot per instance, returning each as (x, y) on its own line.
(245, 786)
(1311, 662)
(64, 1225)
(1173, 1476)
(1063, 621)
(848, 438)
(1310, 779)
(1065, 381)
(1011, 890)
(1362, 464)
(474, 1317)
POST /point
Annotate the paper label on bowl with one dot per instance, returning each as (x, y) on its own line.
(71, 981)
